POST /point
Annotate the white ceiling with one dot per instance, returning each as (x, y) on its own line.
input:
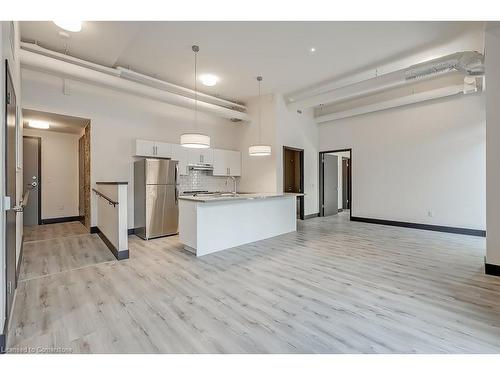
(239, 51)
(58, 123)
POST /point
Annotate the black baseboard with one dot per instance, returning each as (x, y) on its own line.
(436, 228)
(120, 255)
(310, 216)
(57, 220)
(130, 231)
(492, 269)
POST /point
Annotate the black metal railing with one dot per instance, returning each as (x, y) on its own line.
(110, 201)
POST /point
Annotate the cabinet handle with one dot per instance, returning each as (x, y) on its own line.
(201, 158)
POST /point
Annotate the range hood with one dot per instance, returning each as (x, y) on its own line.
(201, 167)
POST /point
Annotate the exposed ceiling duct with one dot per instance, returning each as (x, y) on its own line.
(467, 62)
(391, 103)
(453, 84)
(39, 59)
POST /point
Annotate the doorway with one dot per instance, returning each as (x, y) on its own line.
(56, 169)
(32, 174)
(335, 185)
(293, 175)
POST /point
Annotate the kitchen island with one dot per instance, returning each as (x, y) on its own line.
(212, 223)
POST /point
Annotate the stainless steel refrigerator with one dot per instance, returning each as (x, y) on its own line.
(156, 208)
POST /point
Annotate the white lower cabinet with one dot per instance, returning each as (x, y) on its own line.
(227, 163)
(180, 154)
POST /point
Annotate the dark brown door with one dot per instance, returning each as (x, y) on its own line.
(10, 189)
(293, 175)
(346, 184)
(291, 162)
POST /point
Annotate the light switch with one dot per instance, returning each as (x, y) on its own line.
(6, 203)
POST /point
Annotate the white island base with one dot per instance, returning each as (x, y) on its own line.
(207, 225)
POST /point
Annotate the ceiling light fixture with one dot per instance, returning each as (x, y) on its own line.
(259, 149)
(312, 50)
(73, 26)
(38, 124)
(209, 79)
(195, 140)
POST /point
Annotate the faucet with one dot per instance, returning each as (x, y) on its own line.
(234, 184)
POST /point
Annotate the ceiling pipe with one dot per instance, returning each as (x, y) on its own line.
(80, 70)
(468, 62)
(392, 103)
(164, 85)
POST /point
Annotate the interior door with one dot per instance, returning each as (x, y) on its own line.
(331, 185)
(10, 189)
(346, 184)
(31, 179)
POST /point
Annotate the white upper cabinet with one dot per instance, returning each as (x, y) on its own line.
(152, 148)
(180, 154)
(163, 150)
(200, 156)
(227, 163)
(144, 148)
(235, 163)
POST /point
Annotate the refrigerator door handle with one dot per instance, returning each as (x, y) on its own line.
(176, 190)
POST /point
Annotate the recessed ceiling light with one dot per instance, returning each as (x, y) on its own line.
(209, 79)
(38, 124)
(312, 49)
(74, 26)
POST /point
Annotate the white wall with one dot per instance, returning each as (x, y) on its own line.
(299, 130)
(259, 172)
(117, 119)
(59, 173)
(8, 32)
(493, 143)
(280, 127)
(410, 160)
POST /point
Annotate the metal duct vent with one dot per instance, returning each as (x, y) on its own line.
(468, 62)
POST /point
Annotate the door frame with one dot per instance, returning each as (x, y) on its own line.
(9, 309)
(301, 198)
(322, 178)
(39, 175)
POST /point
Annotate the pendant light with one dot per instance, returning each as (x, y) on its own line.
(259, 149)
(195, 139)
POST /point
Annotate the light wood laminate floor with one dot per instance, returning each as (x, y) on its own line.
(49, 231)
(45, 257)
(333, 286)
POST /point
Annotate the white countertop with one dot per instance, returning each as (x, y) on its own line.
(237, 197)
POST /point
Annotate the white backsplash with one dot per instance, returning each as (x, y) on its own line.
(204, 180)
